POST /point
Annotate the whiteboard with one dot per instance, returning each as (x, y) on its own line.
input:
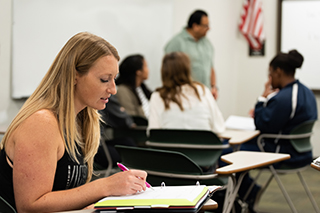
(300, 29)
(42, 27)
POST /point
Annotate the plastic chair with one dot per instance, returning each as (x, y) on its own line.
(299, 137)
(105, 171)
(170, 167)
(140, 121)
(203, 147)
(138, 134)
(5, 207)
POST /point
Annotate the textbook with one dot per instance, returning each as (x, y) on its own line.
(161, 199)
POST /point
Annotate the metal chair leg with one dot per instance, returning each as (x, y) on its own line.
(107, 153)
(306, 188)
(284, 192)
(232, 191)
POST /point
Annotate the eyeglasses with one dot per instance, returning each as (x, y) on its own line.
(204, 25)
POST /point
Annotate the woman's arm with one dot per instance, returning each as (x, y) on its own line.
(38, 145)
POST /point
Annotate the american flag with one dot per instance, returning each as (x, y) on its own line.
(251, 23)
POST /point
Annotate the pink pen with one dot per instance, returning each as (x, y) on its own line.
(124, 168)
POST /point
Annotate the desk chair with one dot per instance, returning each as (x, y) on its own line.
(140, 121)
(203, 147)
(138, 134)
(105, 171)
(299, 137)
(170, 167)
(5, 207)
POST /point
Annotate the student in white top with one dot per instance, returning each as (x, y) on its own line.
(182, 103)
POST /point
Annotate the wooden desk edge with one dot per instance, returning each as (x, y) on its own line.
(313, 165)
(209, 205)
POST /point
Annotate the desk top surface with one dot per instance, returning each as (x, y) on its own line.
(239, 136)
(245, 160)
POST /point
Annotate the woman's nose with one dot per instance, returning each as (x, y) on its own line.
(112, 88)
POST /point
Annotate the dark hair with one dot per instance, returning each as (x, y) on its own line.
(128, 68)
(195, 17)
(127, 74)
(288, 62)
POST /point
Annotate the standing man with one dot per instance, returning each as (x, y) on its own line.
(192, 41)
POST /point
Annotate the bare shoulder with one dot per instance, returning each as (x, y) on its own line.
(43, 119)
(39, 128)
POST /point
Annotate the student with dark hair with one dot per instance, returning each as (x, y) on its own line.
(132, 93)
(193, 42)
(284, 104)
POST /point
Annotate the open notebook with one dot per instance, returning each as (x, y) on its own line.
(161, 199)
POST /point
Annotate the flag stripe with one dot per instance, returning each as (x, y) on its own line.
(251, 23)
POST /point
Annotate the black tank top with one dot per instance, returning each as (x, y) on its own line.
(69, 174)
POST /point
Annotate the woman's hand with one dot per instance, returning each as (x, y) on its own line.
(127, 182)
(267, 88)
(251, 113)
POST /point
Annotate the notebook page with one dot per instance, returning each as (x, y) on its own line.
(168, 192)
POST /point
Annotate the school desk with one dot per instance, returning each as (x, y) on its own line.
(243, 161)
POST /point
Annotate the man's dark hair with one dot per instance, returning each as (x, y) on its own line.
(195, 17)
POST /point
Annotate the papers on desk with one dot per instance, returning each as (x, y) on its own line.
(165, 198)
(316, 163)
(240, 123)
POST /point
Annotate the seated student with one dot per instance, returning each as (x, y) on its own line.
(182, 103)
(284, 104)
(132, 93)
(46, 158)
(113, 116)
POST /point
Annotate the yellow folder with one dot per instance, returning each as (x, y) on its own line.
(160, 197)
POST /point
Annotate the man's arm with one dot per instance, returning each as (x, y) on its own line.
(214, 88)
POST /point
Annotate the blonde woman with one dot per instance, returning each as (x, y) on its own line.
(46, 159)
(182, 103)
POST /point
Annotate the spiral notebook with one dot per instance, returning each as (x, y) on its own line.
(160, 199)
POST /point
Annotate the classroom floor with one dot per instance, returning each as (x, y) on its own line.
(273, 200)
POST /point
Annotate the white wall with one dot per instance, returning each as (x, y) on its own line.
(8, 107)
(240, 78)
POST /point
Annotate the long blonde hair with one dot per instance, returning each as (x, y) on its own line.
(56, 93)
(176, 72)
